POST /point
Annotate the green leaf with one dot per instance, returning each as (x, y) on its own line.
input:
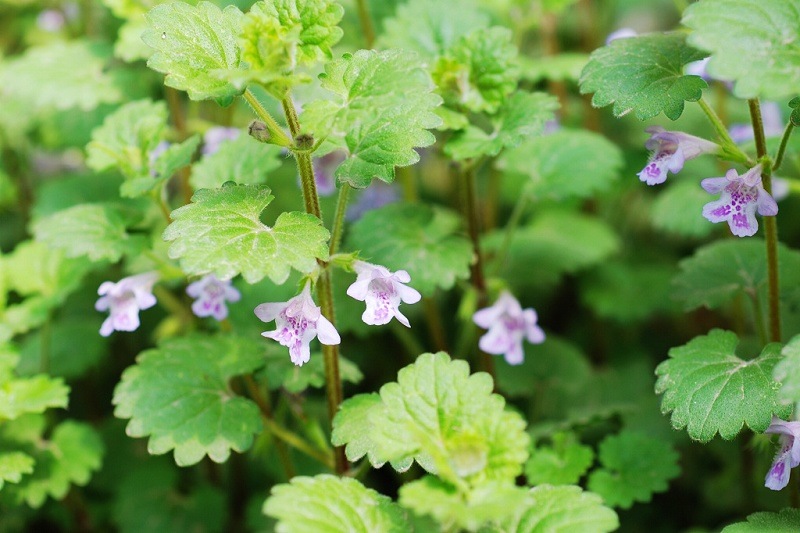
(719, 271)
(754, 44)
(37, 269)
(220, 232)
(278, 36)
(479, 71)
(416, 238)
(243, 160)
(522, 115)
(458, 512)
(784, 521)
(330, 504)
(787, 371)
(13, 465)
(561, 67)
(60, 75)
(450, 422)
(643, 74)
(556, 164)
(19, 396)
(178, 394)
(351, 426)
(563, 463)
(635, 466)
(93, 230)
(435, 27)
(175, 157)
(195, 46)
(383, 109)
(127, 137)
(560, 509)
(709, 389)
(678, 210)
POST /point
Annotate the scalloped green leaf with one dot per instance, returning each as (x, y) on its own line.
(556, 164)
(60, 75)
(195, 46)
(19, 396)
(719, 271)
(178, 395)
(417, 238)
(351, 427)
(784, 521)
(787, 372)
(383, 108)
(126, 138)
(330, 504)
(710, 390)
(95, 231)
(522, 115)
(560, 509)
(479, 71)
(455, 511)
(14, 465)
(220, 232)
(243, 160)
(634, 467)
(34, 268)
(752, 42)
(561, 463)
(643, 74)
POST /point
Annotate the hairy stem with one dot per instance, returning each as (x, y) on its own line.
(770, 227)
(338, 218)
(277, 135)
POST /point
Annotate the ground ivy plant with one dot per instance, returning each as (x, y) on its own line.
(317, 265)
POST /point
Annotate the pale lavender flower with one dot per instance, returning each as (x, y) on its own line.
(376, 195)
(324, 167)
(741, 197)
(670, 150)
(622, 33)
(297, 322)
(51, 20)
(382, 291)
(124, 300)
(788, 455)
(770, 118)
(214, 137)
(507, 324)
(211, 294)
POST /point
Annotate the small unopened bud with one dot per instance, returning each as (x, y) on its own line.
(258, 131)
(304, 142)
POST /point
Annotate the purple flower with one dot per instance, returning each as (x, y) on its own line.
(670, 150)
(507, 324)
(382, 291)
(324, 168)
(741, 197)
(124, 300)
(297, 322)
(622, 33)
(214, 137)
(787, 457)
(211, 294)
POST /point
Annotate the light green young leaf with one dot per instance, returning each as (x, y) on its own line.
(34, 268)
(14, 465)
(70, 456)
(19, 396)
(352, 426)
(560, 509)
(678, 210)
(784, 521)
(243, 160)
(643, 74)
(60, 75)
(522, 115)
(93, 230)
(330, 504)
(719, 271)
(450, 422)
(416, 238)
(178, 394)
(127, 137)
(195, 46)
(556, 164)
(563, 463)
(175, 157)
(383, 109)
(220, 232)
(479, 71)
(787, 372)
(455, 511)
(754, 44)
(278, 36)
(635, 466)
(435, 27)
(709, 389)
